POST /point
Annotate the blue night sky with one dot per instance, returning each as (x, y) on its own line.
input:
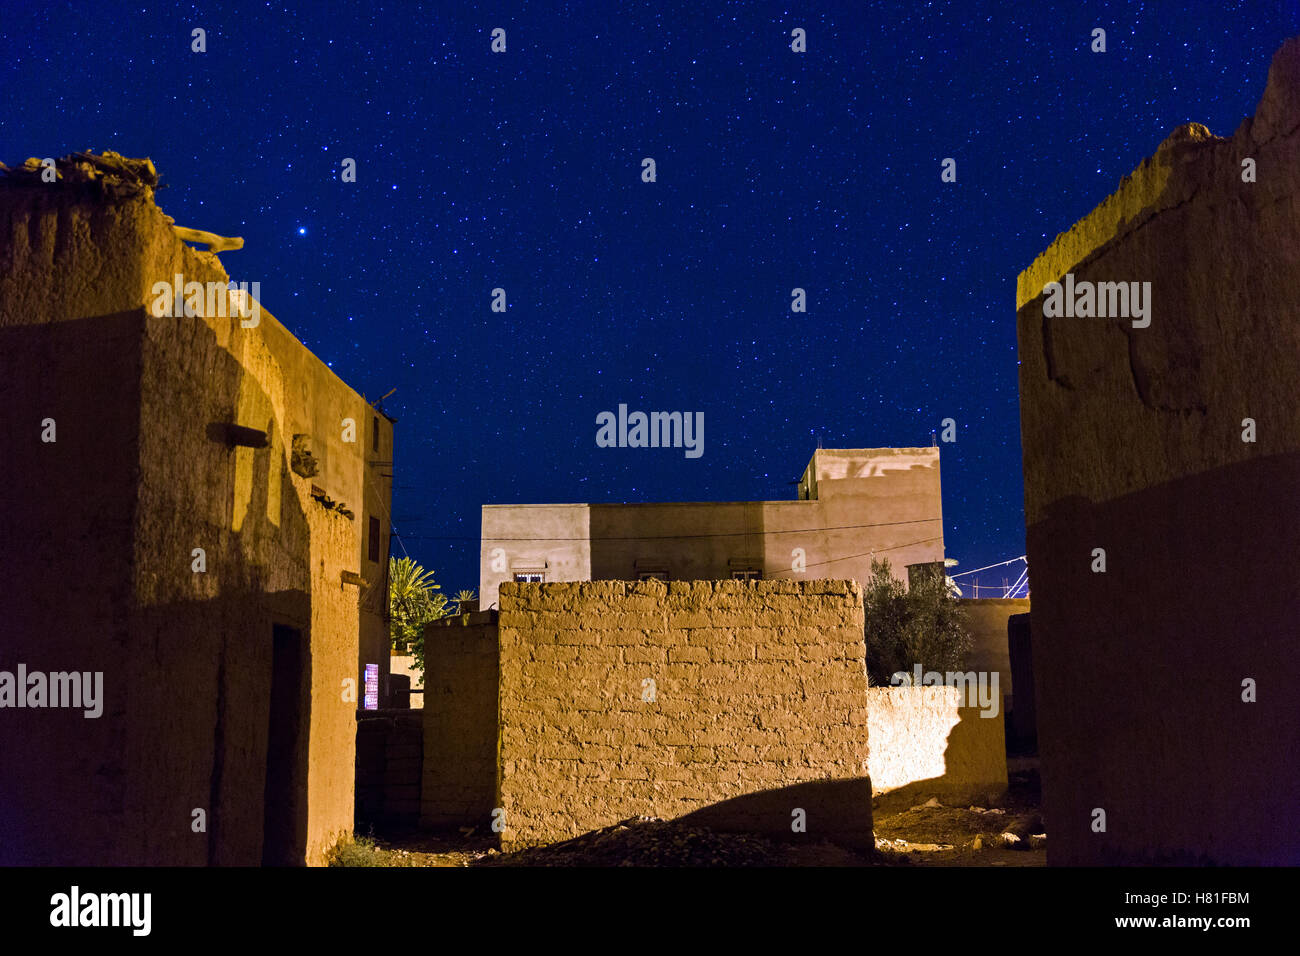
(522, 170)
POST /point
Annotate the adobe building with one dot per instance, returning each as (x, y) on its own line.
(1162, 468)
(852, 504)
(195, 514)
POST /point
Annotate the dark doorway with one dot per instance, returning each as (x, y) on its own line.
(284, 840)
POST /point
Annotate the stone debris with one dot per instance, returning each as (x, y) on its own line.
(899, 845)
(1018, 839)
(931, 804)
(1025, 825)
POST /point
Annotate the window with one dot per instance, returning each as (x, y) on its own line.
(747, 574)
(374, 432)
(652, 576)
(374, 539)
(530, 577)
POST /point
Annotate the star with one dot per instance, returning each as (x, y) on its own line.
(776, 170)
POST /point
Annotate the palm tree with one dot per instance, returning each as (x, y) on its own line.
(411, 603)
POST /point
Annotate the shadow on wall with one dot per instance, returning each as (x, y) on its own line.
(973, 762)
(206, 677)
(227, 729)
(1139, 671)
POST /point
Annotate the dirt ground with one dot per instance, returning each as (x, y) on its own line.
(935, 834)
(927, 834)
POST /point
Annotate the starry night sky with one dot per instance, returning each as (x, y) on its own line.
(522, 171)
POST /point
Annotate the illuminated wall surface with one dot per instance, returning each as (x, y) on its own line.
(739, 704)
(933, 742)
(172, 434)
(1167, 684)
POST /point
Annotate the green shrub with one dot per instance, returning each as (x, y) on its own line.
(362, 851)
(905, 626)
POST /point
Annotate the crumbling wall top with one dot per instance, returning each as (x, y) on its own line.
(1168, 177)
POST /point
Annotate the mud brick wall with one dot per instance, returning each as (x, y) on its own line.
(1133, 446)
(758, 707)
(460, 721)
(390, 756)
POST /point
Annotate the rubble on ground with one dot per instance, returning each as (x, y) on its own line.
(650, 841)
